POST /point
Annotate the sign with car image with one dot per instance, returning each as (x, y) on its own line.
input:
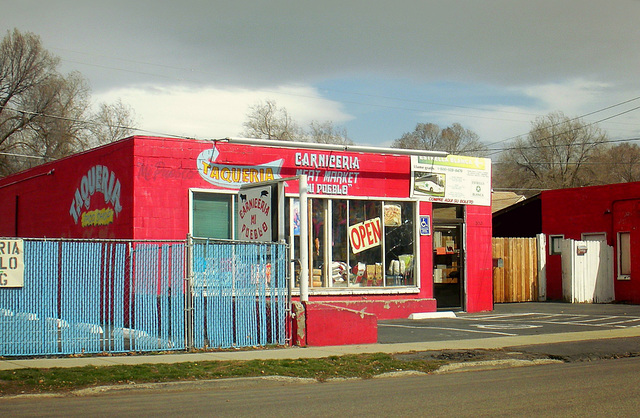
(453, 179)
(431, 184)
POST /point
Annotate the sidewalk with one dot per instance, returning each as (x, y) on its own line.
(319, 352)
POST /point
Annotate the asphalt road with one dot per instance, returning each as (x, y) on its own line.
(512, 320)
(601, 388)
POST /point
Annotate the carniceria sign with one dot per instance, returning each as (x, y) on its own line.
(11, 263)
(254, 214)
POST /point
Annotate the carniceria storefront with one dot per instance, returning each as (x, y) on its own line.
(388, 233)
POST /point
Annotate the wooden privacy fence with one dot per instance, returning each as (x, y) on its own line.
(515, 278)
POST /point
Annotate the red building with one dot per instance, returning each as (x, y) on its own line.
(390, 234)
(609, 213)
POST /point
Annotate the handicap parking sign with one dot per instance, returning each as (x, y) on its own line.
(425, 227)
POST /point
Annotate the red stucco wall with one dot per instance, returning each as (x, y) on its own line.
(426, 256)
(479, 260)
(49, 195)
(163, 171)
(322, 320)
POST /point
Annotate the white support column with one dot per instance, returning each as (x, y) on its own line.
(542, 266)
(304, 240)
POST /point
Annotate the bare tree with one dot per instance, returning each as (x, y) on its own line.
(327, 133)
(61, 131)
(27, 90)
(616, 164)
(454, 139)
(555, 154)
(268, 121)
(44, 115)
(112, 122)
(426, 136)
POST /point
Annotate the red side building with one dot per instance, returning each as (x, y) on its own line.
(609, 213)
(427, 221)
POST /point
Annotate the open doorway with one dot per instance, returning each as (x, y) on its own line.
(448, 256)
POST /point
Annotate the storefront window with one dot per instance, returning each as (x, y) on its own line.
(358, 243)
(398, 242)
(318, 241)
(212, 215)
(365, 237)
(340, 270)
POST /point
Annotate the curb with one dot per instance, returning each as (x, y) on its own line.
(492, 365)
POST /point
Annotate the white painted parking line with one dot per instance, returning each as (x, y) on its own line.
(494, 316)
(568, 318)
(507, 326)
(614, 321)
(626, 320)
(602, 318)
(540, 316)
(448, 329)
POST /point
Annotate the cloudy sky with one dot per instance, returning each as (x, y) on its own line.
(376, 68)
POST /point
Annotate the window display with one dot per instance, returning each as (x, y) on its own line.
(340, 269)
(318, 245)
(361, 243)
(399, 246)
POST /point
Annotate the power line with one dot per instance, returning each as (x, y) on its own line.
(12, 154)
(123, 70)
(576, 118)
(565, 132)
(508, 189)
(95, 123)
(409, 109)
(321, 98)
(613, 141)
(376, 105)
(574, 163)
(192, 70)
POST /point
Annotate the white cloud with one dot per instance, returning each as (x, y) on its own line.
(213, 112)
(575, 98)
(524, 48)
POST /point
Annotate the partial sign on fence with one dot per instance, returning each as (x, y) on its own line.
(11, 263)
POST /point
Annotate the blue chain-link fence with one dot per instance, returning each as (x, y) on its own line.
(88, 296)
(240, 295)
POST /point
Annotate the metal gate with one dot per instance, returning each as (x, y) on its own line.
(94, 296)
(239, 292)
(587, 271)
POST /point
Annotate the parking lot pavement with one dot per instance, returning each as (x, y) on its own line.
(517, 319)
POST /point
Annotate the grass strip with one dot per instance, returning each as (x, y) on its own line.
(67, 379)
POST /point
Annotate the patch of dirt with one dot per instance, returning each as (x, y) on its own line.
(469, 355)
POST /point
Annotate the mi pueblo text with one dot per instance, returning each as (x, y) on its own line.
(328, 173)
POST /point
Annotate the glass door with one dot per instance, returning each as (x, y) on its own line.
(448, 262)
